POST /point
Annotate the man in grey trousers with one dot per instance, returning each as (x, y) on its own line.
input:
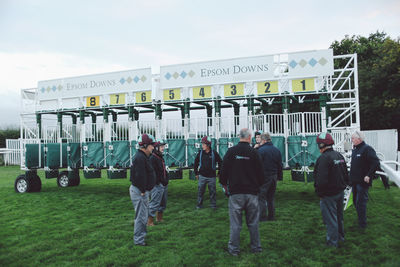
(331, 178)
(143, 180)
(242, 176)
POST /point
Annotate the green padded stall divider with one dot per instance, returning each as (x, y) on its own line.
(118, 156)
(279, 142)
(53, 155)
(134, 149)
(312, 149)
(93, 154)
(224, 144)
(299, 155)
(73, 155)
(32, 156)
(174, 155)
(64, 155)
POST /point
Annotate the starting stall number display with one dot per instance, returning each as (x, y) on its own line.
(303, 85)
(172, 94)
(143, 97)
(117, 99)
(267, 87)
(92, 101)
(202, 92)
(232, 90)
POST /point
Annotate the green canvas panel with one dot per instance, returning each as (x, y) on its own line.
(94, 155)
(174, 155)
(53, 155)
(74, 155)
(224, 144)
(133, 151)
(119, 156)
(279, 142)
(64, 154)
(295, 154)
(303, 156)
(32, 156)
(312, 149)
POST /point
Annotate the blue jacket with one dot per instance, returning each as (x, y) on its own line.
(364, 162)
(271, 160)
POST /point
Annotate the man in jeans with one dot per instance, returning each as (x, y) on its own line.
(271, 159)
(364, 163)
(242, 176)
(143, 179)
(331, 178)
(206, 163)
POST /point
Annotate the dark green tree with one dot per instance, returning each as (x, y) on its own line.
(379, 78)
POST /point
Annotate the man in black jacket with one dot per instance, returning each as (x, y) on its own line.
(143, 179)
(206, 163)
(242, 176)
(158, 201)
(331, 178)
(271, 159)
(364, 163)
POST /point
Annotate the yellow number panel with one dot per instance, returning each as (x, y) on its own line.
(201, 92)
(172, 94)
(234, 90)
(303, 85)
(92, 101)
(117, 99)
(143, 97)
(267, 87)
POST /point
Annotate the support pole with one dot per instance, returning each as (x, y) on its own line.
(217, 110)
(285, 110)
(39, 124)
(323, 98)
(59, 122)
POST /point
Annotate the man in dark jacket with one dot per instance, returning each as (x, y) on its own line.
(206, 163)
(364, 163)
(271, 159)
(331, 178)
(143, 180)
(158, 201)
(242, 176)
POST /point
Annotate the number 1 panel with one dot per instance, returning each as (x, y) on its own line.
(267, 87)
(303, 85)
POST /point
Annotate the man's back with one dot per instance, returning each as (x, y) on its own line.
(271, 159)
(242, 170)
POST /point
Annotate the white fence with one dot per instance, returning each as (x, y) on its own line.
(12, 155)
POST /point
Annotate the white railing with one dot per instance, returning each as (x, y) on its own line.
(94, 132)
(120, 131)
(13, 155)
(305, 123)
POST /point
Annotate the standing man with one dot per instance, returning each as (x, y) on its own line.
(158, 201)
(271, 159)
(143, 180)
(364, 163)
(257, 136)
(331, 178)
(205, 166)
(242, 176)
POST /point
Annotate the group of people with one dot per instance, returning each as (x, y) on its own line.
(248, 175)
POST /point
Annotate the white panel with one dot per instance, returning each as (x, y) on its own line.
(99, 84)
(49, 105)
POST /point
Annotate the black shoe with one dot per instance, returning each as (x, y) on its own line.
(259, 250)
(141, 244)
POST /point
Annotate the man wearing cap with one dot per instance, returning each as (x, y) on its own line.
(242, 176)
(331, 178)
(364, 163)
(158, 201)
(143, 179)
(206, 163)
(271, 159)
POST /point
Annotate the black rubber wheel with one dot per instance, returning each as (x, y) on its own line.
(63, 179)
(22, 184)
(75, 182)
(36, 184)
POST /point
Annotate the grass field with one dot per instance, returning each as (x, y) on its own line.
(92, 225)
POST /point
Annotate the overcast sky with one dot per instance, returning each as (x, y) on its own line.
(48, 39)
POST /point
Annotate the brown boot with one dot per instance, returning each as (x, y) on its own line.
(150, 221)
(159, 217)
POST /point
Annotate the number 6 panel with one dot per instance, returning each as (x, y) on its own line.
(143, 97)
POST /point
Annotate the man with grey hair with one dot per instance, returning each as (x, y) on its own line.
(271, 159)
(242, 176)
(364, 163)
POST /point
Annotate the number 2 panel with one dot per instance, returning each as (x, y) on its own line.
(267, 87)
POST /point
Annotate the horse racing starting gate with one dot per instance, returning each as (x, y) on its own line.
(91, 123)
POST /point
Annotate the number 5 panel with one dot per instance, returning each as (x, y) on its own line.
(172, 94)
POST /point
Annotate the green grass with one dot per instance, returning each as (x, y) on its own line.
(92, 225)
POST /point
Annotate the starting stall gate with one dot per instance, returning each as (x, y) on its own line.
(92, 123)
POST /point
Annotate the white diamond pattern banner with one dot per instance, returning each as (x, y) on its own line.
(310, 64)
(98, 84)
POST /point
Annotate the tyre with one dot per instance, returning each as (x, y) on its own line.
(22, 184)
(75, 182)
(63, 179)
(36, 184)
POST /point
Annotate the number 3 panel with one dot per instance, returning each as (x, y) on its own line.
(232, 90)
(143, 97)
(267, 87)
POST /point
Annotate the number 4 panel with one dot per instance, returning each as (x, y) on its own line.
(202, 92)
(143, 97)
(267, 87)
